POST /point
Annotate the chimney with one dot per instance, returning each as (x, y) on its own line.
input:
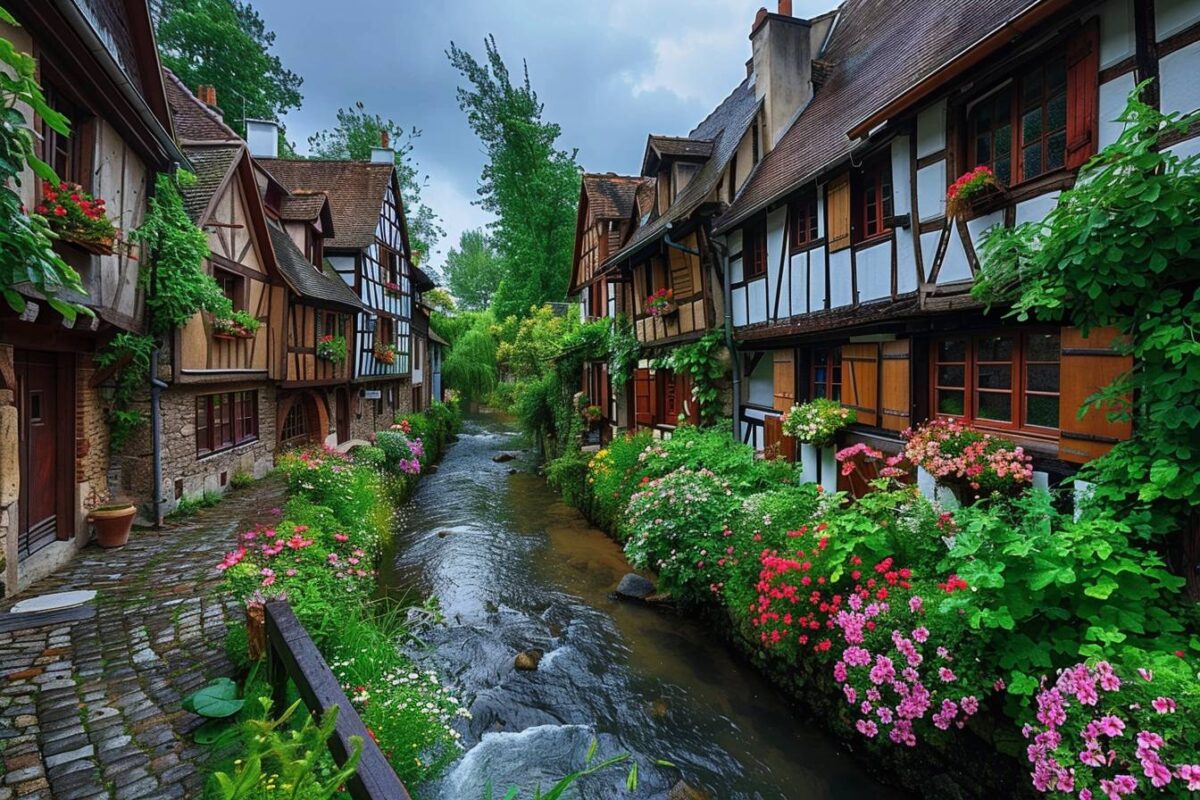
(383, 154)
(262, 137)
(782, 61)
(208, 95)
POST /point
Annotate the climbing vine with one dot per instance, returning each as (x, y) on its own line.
(129, 354)
(703, 363)
(27, 256)
(1122, 249)
(623, 351)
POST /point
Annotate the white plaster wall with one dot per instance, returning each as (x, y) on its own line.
(931, 191)
(1037, 208)
(906, 262)
(1190, 147)
(874, 265)
(798, 283)
(978, 226)
(929, 243)
(931, 129)
(1116, 32)
(816, 277)
(901, 176)
(820, 211)
(735, 269)
(776, 223)
(1172, 16)
(758, 300)
(1179, 73)
(1112, 103)
(761, 385)
(955, 267)
(739, 306)
(841, 288)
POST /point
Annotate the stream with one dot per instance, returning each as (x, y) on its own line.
(515, 568)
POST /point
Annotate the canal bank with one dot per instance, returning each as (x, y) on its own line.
(514, 568)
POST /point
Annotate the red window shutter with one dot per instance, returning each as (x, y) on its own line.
(1088, 365)
(1083, 94)
(643, 397)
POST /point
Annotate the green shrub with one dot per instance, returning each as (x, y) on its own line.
(241, 479)
(762, 522)
(568, 476)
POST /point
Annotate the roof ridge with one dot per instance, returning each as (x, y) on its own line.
(718, 107)
(202, 106)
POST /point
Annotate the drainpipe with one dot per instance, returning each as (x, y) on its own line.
(727, 292)
(669, 242)
(156, 388)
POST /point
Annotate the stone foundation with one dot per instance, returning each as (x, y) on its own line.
(368, 416)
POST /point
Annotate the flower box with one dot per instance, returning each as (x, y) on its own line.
(77, 217)
(977, 191)
(104, 246)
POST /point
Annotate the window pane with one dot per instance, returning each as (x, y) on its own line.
(1042, 378)
(983, 149)
(995, 348)
(1031, 165)
(950, 376)
(995, 406)
(1004, 169)
(1031, 125)
(995, 376)
(1031, 89)
(1056, 151)
(1003, 141)
(1056, 113)
(1041, 410)
(950, 402)
(952, 350)
(1042, 347)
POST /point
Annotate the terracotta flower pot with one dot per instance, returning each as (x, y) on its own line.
(112, 524)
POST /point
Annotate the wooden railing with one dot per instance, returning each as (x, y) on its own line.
(292, 655)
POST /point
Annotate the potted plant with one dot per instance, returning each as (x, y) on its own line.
(661, 303)
(969, 463)
(332, 348)
(392, 289)
(77, 217)
(972, 190)
(112, 521)
(238, 325)
(386, 353)
(592, 414)
(817, 421)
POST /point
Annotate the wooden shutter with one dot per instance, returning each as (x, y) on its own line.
(1083, 94)
(775, 443)
(837, 213)
(785, 380)
(668, 385)
(1088, 365)
(860, 381)
(895, 398)
(687, 404)
(643, 397)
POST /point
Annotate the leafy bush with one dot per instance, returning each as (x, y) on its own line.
(568, 475)
(818, 421)
(763, 523)
(678, 525)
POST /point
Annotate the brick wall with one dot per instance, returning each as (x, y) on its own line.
(368, 416)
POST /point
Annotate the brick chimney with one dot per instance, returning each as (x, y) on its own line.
(208, 95)
(782, 64)
(384, 154)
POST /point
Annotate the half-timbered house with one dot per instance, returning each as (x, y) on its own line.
(370, 252)
(98, 65)
(604, 221)
(849, 278)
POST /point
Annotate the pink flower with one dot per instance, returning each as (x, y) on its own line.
(1163, 705)
(946, 674)
(341, 537)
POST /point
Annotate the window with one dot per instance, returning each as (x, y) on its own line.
(66, 153)
(875, 199)
(391, 264)
(754, 251)
(826, 375)
(225, 420)
(384, 332)
(295, 425)
(804, 221)
(1004, 380)
(732, 191)
(331, 324)
(1020, 130)
(232, 286)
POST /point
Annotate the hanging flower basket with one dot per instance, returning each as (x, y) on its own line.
(386, 354)
(332, 348)
(661, 303)
(592, 415)
(973, 191)
(77, 217)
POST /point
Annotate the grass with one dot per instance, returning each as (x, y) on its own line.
(190, 505)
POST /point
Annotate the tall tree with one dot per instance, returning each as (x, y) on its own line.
(473, 270)
(226, 44)
(528, 183)
(356, 132)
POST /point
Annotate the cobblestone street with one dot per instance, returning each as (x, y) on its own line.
(90, 709)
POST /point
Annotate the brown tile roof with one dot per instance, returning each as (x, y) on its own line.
(355, 188)
(724, 127)
(321, 285)
(194, 121)
(302, 206)
(210, 164)
(877, 50)
(683, 147)
(611, 196)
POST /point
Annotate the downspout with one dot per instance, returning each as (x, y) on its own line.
(674, 245)
(156, 388)
(727, 293)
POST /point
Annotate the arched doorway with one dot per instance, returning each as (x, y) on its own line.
(303, 419)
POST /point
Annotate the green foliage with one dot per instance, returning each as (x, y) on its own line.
(763, 522)
(702, 361)
(26, 253)
(131, 355)
(226, 44)
(568, 474)
(178, 285)
(217, 699)
(285, 763)
(241, 479)
(356, 133)
(470, 366)
(1048, 591)
(529, 344)
(528, 183)
(190, 505)
(623, 351)
(473, 270)
(1122, 249)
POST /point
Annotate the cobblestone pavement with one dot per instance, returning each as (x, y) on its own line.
(91, 709)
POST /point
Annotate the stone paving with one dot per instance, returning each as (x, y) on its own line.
(91, 709)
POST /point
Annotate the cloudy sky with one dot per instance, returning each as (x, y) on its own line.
(608, 72)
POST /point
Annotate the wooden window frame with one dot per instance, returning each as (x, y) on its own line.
(287, 431)
(233, 286)
(831, 359)
(76, 162)
(225, 420)
(1018, 390)
(803, 228)
(876, 177)
(754, 251)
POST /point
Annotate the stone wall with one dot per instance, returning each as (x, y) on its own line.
(368, 416)
(184, 474)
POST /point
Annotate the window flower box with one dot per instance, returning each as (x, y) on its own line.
(392, 289)
(977, 191)
(661, 303)
(77, 217)
(332, 348)
(385, 354)
(238, 325)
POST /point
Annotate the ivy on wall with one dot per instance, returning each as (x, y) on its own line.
(703, 363)
(1122, 249)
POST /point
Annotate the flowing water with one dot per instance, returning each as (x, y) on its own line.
(514, 568)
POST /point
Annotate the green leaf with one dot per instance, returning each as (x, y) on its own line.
(1021, 684)
(217, 700)
(1102, 589)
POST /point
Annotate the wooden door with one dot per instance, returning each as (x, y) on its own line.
(40, 498)
(343, 416)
